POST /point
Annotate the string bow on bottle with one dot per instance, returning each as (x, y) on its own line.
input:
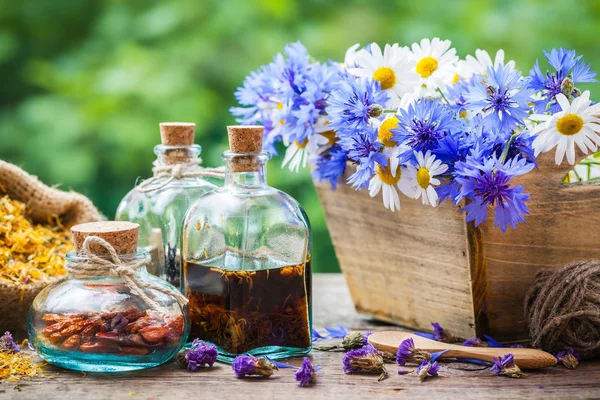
(178, 171)
(113, 265)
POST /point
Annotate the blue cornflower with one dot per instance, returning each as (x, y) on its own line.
(568, 70)
(423, 125)
(330, 165)
(488, 184)
(354, 103)
(288, 96)
(500, 97)
(364, 149)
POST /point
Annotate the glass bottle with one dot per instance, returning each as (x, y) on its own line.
(246, 253)
(159, 204)
(98, 320)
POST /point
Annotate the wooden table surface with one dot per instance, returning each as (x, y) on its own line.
(332, 305)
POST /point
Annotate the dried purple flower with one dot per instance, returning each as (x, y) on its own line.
(516, 346)
(475, 343)
(403, 372)
(438, 331)
(306, 373)
(8, 345)
(427, 368)
(506, 366)
(569, 358)
(201, 354)
(408, 353)
(248, 365)
(354, 340)
(365, 359)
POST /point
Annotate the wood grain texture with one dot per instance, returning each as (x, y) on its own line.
(410, 267)
(423, 264)
(332, 305)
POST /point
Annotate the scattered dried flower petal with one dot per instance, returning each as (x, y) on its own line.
(427, 368)
(248, 365)
(200, 355)
(306, 374)
(475, 343)
(408, 353)
(352, 341)
(506, 366)
(569, 358)
(339, 332)
(365, 359)
(8, 345)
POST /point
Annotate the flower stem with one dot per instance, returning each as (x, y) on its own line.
(390, 111)
(442, 94)
(506, 148)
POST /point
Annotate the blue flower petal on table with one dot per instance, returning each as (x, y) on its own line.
(316, 335)
(436, 355)
(337, 333)
(318, 367)
(472, 361)
(492, 342)
(279, 364)
(426, 335)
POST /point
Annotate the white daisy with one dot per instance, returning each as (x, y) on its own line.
(394, 69)
(350, 57)
(576, 124)
(386, 179)
(480, 63)
(434, 63)
(423, 177)
(297, 154)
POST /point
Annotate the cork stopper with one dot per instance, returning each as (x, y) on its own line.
(244, 139)
(177, 133)
(123, 236)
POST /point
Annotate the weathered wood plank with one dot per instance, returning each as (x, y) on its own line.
(332, 305)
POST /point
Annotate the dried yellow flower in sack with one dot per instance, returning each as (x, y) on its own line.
(14, 367)
(29, 252)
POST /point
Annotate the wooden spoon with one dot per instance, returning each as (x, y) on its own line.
(524, 358)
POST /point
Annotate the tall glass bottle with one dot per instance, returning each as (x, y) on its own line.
(159, 204)
(246, 253)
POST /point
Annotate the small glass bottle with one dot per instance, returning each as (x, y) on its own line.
(109, 314)
(246, 253)
(159, 204)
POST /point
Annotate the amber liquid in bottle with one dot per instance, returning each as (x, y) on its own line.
(246, 310)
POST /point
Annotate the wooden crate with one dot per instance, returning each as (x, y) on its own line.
(423, 264)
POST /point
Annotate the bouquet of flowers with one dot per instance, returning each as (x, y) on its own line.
(421, 122)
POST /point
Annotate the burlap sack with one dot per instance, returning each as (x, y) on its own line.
(42, 202)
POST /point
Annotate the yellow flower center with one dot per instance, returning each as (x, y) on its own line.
(385, 131)
(386, 77)
(427, 66)
(330, 135)
(423, 177)
(282, 121)
(280, 106)
(463, 114)
(303, 144)
(569, 124)
(386, 176)
(456, 78)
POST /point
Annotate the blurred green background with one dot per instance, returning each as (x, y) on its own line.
(85, 83)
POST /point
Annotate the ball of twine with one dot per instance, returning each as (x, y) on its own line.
(563, 308)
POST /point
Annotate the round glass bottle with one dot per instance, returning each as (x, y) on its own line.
(246, 252)
(109, 314)
(159, 204)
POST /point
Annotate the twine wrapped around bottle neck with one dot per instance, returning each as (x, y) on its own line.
(115, 267)
(178, 171)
